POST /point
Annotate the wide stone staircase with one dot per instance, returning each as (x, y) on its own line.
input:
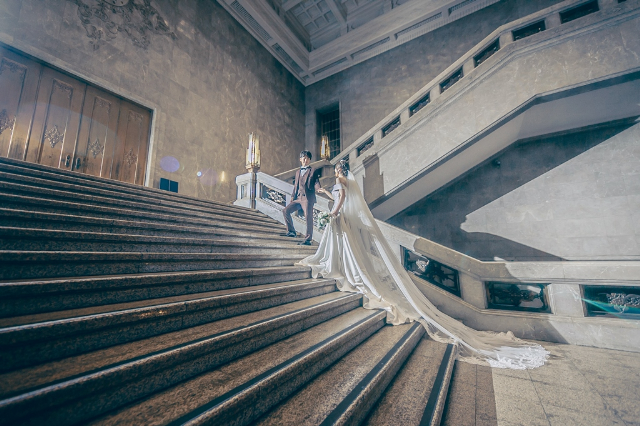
(128, 305)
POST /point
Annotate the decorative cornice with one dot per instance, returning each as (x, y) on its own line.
(400, 25)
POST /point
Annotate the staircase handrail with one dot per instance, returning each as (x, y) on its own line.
(602, 272)
(566, 317)
(551, 17)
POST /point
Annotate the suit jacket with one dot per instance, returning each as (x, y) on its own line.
(304, 187)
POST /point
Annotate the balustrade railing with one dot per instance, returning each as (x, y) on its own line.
(541, 21)
(534, 293)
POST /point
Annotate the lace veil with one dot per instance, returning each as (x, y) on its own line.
(368, 265)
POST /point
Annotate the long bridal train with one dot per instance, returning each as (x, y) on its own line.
(354, 252)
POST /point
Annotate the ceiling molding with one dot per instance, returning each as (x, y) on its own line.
(399, 23)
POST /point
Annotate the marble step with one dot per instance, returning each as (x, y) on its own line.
(346, 392)
(417, 394)
(9, 191)
(72, 222)
(29, 239)
(18, 183)
(41, 205)
(243, 390)
(75, 389)
(21, 265)
(28, 297)
(471, 399)
(55, 174)
(44, 337)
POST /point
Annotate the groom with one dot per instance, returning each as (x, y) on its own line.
(303, 197)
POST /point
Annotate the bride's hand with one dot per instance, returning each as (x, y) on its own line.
(333, 215)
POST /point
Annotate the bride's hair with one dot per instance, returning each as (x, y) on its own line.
(343, 167)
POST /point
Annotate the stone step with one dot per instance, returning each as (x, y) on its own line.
(245, 389)
(21, 265)
(71, 222)
(28, 297)
(10, 194)
(29, 239)
(416, 394)
(353, 385)
(45, 337)
(25, 184)
(41, 205)
(471, 399)
(75, 389)
(18, 167)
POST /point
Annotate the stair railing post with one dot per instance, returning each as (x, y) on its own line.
(253, 165)
(253, 182)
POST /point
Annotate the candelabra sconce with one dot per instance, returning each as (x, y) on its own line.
(253, 165)
(325, 151)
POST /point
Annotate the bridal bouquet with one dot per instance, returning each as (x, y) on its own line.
(323, 220)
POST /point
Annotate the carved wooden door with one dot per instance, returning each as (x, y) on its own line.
(19, 78)
(97, 137)
(55, 123)
(52, 118)
(132, 144)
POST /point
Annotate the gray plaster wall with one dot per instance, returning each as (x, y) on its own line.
(210, 85)
(573, 196)
(367, 92)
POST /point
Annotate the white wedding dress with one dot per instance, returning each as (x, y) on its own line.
(354, 252)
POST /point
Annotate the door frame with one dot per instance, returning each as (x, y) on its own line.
(49, 60)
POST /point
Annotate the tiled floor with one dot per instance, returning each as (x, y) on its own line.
(579, 386)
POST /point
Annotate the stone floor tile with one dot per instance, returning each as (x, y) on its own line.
(586, 400)
(566, 379)
(559, 416)
(511, 389)
(506, 372)
(628, 409)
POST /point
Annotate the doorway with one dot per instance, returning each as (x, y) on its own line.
(49, 117)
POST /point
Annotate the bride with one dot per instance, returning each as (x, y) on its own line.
(354, 252)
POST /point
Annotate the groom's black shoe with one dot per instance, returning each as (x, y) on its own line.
(289, 234)
(304, 243)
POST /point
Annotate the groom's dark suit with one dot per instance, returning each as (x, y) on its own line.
(303, 197)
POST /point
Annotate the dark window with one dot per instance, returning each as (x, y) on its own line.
(423, 102)
(330, 127)
(486, 53)
(168, 185)
(453, 79)
(610, 301)
(390, 127)
(529, 30)
(365, 146)
(517, 297)
(579, 11)
(431, 271)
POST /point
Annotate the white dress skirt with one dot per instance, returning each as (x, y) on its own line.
(354, 252)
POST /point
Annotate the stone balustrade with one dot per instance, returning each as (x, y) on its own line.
(550, 301)
(509, 71)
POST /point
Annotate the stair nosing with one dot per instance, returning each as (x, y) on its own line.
(342, 411)
(140, 313)
(200, 413)
(77, 380)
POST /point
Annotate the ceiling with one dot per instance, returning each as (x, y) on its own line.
(318, 38)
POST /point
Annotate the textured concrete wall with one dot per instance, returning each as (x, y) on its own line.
(210, 85)
(571, 196)
(369, 91)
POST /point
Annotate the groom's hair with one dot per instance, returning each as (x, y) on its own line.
(305, 154)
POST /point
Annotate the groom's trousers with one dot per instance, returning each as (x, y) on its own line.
(307, 208)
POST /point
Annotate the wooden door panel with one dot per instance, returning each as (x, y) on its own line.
(98, 132)
(132, 144)
(52, 118)
(18, 87)
(56, 120)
